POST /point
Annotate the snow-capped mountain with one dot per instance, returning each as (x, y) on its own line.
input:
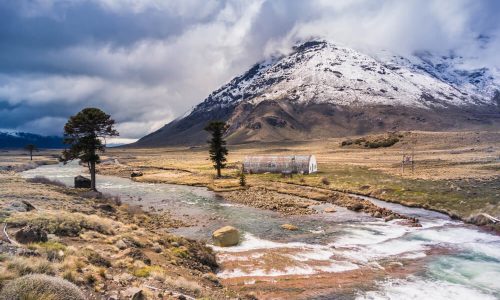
(16, 139)
(322, 89)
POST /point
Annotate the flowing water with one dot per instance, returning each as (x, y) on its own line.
(341, 255)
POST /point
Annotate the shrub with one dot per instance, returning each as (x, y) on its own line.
(96, 259)
(45, 180)
(148, 270)
(112, 199)
(325, 181)
(40, 287)
(184, 285)
(23, 266)
(62, 223)
(242, 180)
(90, 279)
(388, 142)
(346, 143)
(69, 276)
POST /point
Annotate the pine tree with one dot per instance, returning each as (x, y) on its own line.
(243, 177)
(31, 148)
(84, 133)
(217, 150)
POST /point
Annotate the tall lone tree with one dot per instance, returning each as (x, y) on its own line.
(31, 148)
(217, 150)
(85, 133)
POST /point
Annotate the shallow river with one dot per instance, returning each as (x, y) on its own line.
(341, 255)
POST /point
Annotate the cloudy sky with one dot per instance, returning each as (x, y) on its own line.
(146, 62)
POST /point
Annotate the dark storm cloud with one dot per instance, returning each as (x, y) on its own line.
(146, 62)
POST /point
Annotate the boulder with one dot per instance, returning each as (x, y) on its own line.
(136, 173)
(289, 227)
(226, 236)
(120, 244)
(82, 182)
(30, 234)
(134, 293)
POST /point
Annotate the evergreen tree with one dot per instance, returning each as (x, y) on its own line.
(243, 178)
(84, 133)
(31, 148)
(217, 150)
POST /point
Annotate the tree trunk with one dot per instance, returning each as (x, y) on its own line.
(218, 172)
(92, 176)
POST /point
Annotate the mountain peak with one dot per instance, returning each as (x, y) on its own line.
(319, 73)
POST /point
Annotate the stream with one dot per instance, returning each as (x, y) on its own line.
(340, 255)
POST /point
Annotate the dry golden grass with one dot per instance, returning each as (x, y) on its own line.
(455, 172)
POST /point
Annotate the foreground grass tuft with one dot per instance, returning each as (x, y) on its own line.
(31, 287)
(62, 223)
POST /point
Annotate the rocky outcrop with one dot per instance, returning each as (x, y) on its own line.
(226, 236)
(82, 182)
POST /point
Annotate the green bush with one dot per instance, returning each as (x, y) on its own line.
(31, 287)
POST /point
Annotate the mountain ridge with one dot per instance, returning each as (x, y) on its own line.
(349, 92)
(20, 139)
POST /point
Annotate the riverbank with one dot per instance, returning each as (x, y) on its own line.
(360, 254)
(455, 173)
(109, 249)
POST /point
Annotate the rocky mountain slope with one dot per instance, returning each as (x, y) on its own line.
(21, 139)
(324, 90)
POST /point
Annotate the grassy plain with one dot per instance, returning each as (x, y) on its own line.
(455, 172)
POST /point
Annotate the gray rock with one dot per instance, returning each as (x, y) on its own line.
(82, 182)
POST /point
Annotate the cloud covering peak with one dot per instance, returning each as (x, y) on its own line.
(146, 62)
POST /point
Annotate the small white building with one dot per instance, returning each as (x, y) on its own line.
(303, 164)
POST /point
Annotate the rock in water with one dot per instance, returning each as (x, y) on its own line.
(30, 234)
(289, 227)
(330, 210)
(226, 236)
(82, 182)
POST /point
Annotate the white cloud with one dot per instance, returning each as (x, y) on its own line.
(146, 82)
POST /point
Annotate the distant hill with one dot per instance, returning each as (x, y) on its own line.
(323, 90)
(21, 139)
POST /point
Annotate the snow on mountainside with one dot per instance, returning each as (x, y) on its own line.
(322, 72)
(17, 139)
(322, 90)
